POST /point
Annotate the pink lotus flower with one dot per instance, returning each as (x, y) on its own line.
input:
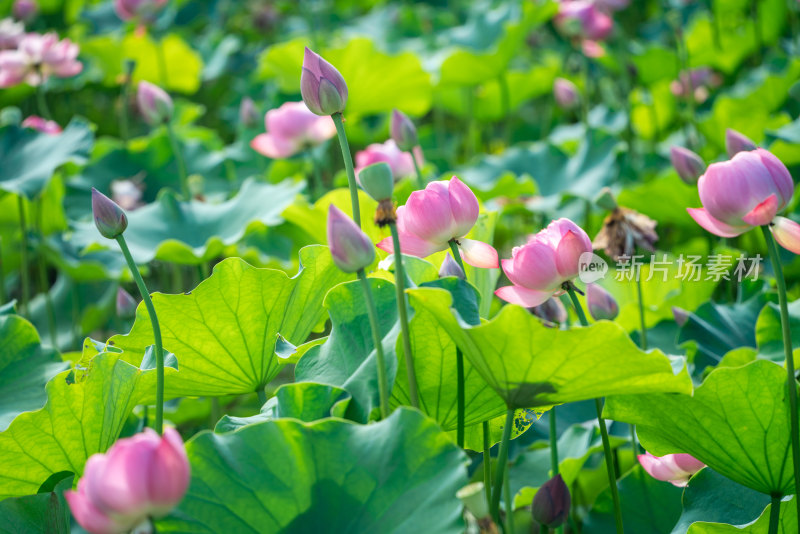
(747, 191)
(38, 57)
(539, 268)
(443, 211)
(142, 10)
(42, 125)
(140, 477)
(673, 468)
(582, 18)
(292, 128)
(400, 162)
(11, 33)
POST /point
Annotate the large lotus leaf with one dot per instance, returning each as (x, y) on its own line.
(25, 368)
(85, 411)
(648, 505)
(769, 338)
(46, 512)
(398, 475)
(653, 109)
(376, 82)
(786, 525)
(555, 172)
(710, 497)
(530, 365)
(670, 190)
(435, 366)
(194, 232)
(224, 331)
(737, 423)
(29, 158)
(347, 359)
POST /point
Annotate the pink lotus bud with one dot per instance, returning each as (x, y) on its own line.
(736, 142)
(673, 468)
(323, 88)
(744, 192)
(680, 315)
(551, 310)
(11, 33)
(786, 233)
(140, 477)
(602, 306)
(25, 10)
(445, 210)
(400, 162)
(351, 248)
(565, 93)
(126, 304)
(690, 166)
(582, 18)
(539, 268)
(154, 103)
(108, 217)
(42, 125)
(248, 114)
(450, 267)
(592, 49)
(404, 133)
(551, 503)
(146, 11)
(291, 129)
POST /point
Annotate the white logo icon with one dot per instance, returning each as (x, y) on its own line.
(591, 268)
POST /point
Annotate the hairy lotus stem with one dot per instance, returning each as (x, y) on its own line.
(502, 460)
(460, 396)
(383, 383)
(348, 165)
(420, 179)
(402, 310)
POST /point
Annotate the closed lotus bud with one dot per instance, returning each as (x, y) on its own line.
(323, 88)
(25, 10)
(154, 103)
(108, 217)
(690, 166)
(351, 249)
(680, 315)
(126, 304)
(551, 310)
(377, 181)
(474, 498)
(551, 503)
(450, 267)
(565, 93)
(403, 131)
(602, 306)
(736, 142)
(787, 233)
(248, 114)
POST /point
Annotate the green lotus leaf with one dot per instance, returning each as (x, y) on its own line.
(532, 366)
(398, 475)
(787, 523)
(768, 331)
(737, 423)
(47, 511)
(224, 331)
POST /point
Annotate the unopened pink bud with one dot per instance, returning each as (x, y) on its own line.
(404, 133)
(25, 10)
(689, 166)
(602, 306)
(736, 142)
(450, 267)
(787, 233)
(350, 247)
(108, 216)
(323, 88)
(552, 502)
(154, 103)
(565, 93)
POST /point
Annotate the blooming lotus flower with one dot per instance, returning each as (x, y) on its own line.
(41, 125)
(736, 142)
(292, 128)
(565, 93)
(582, 18)
(747, 191)
(140, 477)
(551, 503)
(11, 33)
(142, 10)
(323, 88)
(539, 268)
(404, 133)
(350, 247)
(37, 58)
(25, 10)
(673, 468)
(400, 162)
(108, 217)
(445, 210)
(689, 165)
(154, 103)
(602, 306)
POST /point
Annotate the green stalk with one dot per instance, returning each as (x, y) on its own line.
(383, 383)
(643, 327)
(151, 311)
(487, 463)
(775, 514)
(402, 310)
(460, 396)
(553, 443)
(176, 152)
(612, 479)
(23, 268)
(348, 165)
(3, 296)
(791, 383)
(420, 179)
(262, 395)
(502, 460)
(43, 282)
(508, 503)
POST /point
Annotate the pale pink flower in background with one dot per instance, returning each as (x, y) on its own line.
(699, 81)
(42, 125)
(400, 162)
(143, 10)
(292, 128)
(37, 58)
(11, 33)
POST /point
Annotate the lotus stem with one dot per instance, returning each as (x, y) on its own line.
(402, 310)
(383, 383)
(460, 395)
(348, 165)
